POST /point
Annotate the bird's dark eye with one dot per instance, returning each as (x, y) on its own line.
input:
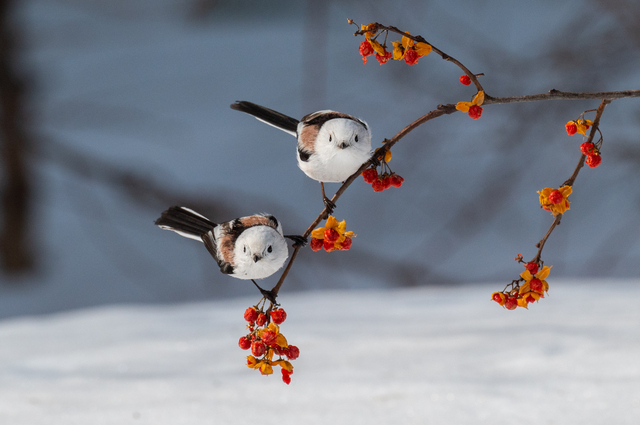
(269, 249)
(356, 138)
(329, 137)
(245, 249)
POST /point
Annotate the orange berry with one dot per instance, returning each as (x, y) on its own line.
(278, 316)
(532, 267)
(572, 128)
(378, 185)
(593, 160)
(331, 235)
(269, 337)
(258, 348)
(396, 180)
(316, 244)
(244, 343)
(511, 303)
(346, 244)
(411, 56)
(555, 197)
(251, 314)
(465, 79)
(475, 111)
(293, 352)
(384, 58)
(329, 246)
(535, 285)
(366, 49)
(586, 148)
(370, 175)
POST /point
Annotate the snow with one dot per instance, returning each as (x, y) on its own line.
(436, 355)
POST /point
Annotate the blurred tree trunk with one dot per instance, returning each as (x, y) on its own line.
(14, 182)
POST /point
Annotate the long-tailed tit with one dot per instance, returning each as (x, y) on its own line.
(250, 247)
(331, 145)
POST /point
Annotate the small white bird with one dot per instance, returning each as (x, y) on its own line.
(331, 145)
(250, 247)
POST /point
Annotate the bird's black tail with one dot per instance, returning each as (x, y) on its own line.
(185, 222)
(269, 116)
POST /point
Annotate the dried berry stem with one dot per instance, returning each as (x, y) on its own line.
(540, 244)
(379, 27)
(595, 128)
(572, 179)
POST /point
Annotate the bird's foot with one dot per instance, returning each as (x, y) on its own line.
(329, 204)
(269, 295)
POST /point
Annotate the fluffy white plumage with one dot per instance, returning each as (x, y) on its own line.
(340, 147)
(250, 247)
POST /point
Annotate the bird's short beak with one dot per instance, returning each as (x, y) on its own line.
(343, 145)
(256, 258)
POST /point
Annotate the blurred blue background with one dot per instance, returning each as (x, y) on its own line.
(115, 110)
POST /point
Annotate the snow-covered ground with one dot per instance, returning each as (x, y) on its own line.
(417, 356)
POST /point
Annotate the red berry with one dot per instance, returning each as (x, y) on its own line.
(278, 316)
(346, 244)
(258, 348)
(593, 160)
(532, 267)
(261, 320)
(387, 182)
(572, 128)
(269, 337)
(535, 285)
(411, 56)
(464, 79)
(396, 180)
(293, 352)
(366, 48)
(529, 298)
(497, 297)
(555, 197)
(475, 112)
(286, 376)
(331, 235)
(316, 244)
(384, 58)
(511, 303)
(329, 246)
(244, 343)
(370, 175)
(378, 185)
(586, 148)
(251, 314)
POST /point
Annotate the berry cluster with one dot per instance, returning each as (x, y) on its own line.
(407, 49)
(473, 108)
(592, 153)
(266, 341)
(555, 200)
(332, 236)
(529, 288)
(385, 178)
(590, 150)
